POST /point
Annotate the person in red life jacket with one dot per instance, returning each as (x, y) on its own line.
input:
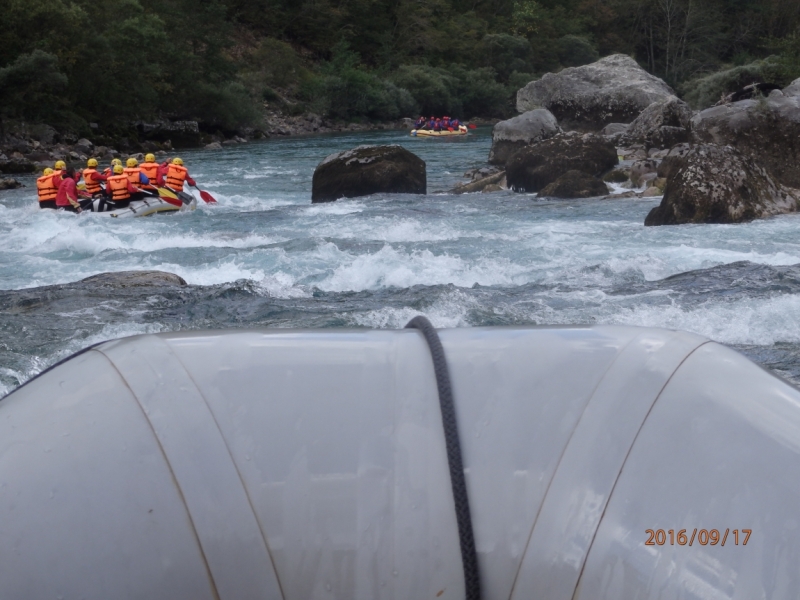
(47, 188)
(420, 123)
(119, 188)
(437, 125)
(455, 124)
(431, 123)
(446, 123)
(92, 179)
(177, 174)
(151, 169)
(135, 175)
(69, 197)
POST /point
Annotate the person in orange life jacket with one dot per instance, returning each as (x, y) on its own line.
(92, 178)
(177, 174)
(69, 197)
(114, 163)
(120, 189)
(135, 176)
(150, 168)
(47, 188)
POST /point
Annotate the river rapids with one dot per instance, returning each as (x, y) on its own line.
(264, 256)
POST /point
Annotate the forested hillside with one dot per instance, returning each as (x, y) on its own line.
(71, 62)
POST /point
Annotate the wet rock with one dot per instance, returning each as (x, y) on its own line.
(536, 166)
(575, 184)
(17, 164)
(767, 129)
(719, 184)
(180, 134)
(123, 279)
(617, 176)
(642, 171)
(520, 131)
(661, 125)
(368, 170)
(652, 192)
(615, 129)
(491, 188)
(9, 184)
(633, 153)
(793, 89)
(615, 89)
(214, 146)
(480, 173)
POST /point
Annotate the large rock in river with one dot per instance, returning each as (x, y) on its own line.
(615, 89)
(369, 170)
(663, 124)
(124, 279)
(718, 184)
(520, 131)
(536, 166)
(767, 129)
(575, 184)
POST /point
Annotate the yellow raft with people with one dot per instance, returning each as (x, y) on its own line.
(462, 130)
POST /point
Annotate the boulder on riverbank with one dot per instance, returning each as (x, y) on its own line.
(523, 130)
(124, 279)
(575, 184)
(663, 124)
(368, 170)
(718, 184)
(767, 129)
(615, 89)
(536, 166)
(9, 183)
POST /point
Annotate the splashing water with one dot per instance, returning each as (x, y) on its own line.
(265, 256)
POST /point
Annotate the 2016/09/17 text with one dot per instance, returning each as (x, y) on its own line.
(659, 537)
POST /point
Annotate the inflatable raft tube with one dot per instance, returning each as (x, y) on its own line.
(462, 130)
(311, 464)
(151, 206)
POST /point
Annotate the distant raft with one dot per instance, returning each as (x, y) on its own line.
(462, 130)
(151, 206)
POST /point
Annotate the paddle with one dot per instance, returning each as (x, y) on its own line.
(166, 195)
(472, 126)
(206, 196)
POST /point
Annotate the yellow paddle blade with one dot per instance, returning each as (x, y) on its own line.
(82, 186)
(165, 193)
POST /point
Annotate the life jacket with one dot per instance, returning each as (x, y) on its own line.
(176, 175)
(46, 188)
(133, 174)
(150, 169)
(445, 123)
(118, 185)
(92, 185)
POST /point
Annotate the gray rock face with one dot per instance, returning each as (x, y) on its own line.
(123, 279)
(643, 171)
(536, 166)
(520, 131)
(213, 146)
(793, 89)
(718, 184)
(766, 129)
(661, 125)
(575, 184)
(615, 89)
(368, 170)
(9, 184)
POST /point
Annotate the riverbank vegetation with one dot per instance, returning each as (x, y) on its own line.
(70, 63)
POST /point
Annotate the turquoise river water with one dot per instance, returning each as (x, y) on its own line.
(266, 257)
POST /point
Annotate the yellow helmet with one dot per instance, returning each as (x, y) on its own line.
(116, 161)
(91, 163)
(177, 161)
(150, 158)
(48, 171)
(132, 162)
(118, 170)
(60, 164)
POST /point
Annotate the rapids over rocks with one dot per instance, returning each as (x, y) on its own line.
(265, 256)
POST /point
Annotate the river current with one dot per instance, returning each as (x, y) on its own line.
(264, 256)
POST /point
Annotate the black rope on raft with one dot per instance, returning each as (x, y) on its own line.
(469, 556)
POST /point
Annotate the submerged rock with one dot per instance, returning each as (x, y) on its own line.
(536, 166)
(767, 129)
(575, 184)
(9, 184)
(122, 279)
(718, 184)
(368, 170)
(663, 124)
(523, 130)
(615, 89)
(480, 185)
